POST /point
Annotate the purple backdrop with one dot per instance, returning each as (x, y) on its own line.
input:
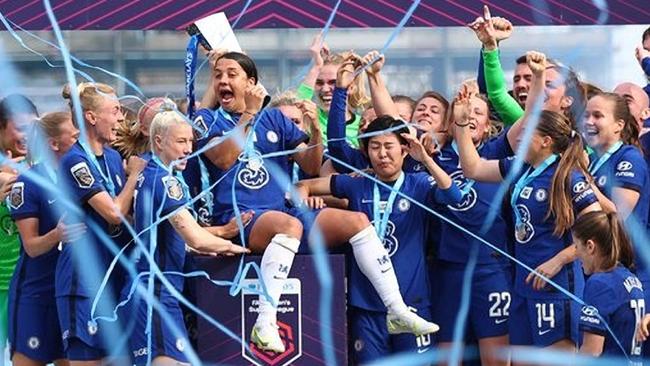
(177, 14)
(298, 317)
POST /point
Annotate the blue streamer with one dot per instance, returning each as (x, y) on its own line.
(301, 75)
(190, 70)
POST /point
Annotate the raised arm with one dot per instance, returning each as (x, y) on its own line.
(336, 143)
(311, 157)
(124, 200)
(318, 51)
(381, 99)
(490, 31)
(474, 167)
(643, 56)
(209, 99)
(537, 63)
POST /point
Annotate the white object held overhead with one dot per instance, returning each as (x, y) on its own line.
(217, 31)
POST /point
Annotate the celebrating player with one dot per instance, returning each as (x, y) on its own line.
(548, 194)
(93, 175)
(401, 225)
(162, 191)
(491, 284)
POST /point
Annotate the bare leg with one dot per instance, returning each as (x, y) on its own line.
(491, 348)
(269, 225)
(20, 359)
(167, 361)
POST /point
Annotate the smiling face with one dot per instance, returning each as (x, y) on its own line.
(324, 86)
(601, 129)
(478, 119)
(105, 118)
(429, 114)
(230, 85)
(386, 156)
(521, 83)
(14, 136)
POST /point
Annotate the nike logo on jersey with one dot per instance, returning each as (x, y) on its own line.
(49, 202)
(366, 201)
(499, 321)
(542, 332)
(423, 350)
(442, 158)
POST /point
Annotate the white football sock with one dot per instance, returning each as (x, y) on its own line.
(275, 267)
(374, 262)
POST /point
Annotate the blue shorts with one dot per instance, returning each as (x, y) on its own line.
(543, 322)
(305, 217)
(490, 300)
(370, 339)
(34, 331)
(164, 341)
(79, 350)
(96, 337)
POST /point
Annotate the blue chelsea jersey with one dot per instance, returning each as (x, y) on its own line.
(626, 168)
(618, 297)
(82, 180)
(159, 194)
(471, 212)
(535, 243)
(406, 234)
(256, 179)
(33, 278)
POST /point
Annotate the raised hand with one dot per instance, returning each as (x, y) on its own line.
(375, 66)
(484, 29)
(309, 110)
(345, 75)
(536, 61)
(433, 141)
(641, 53)
(254, 98)
(462, 106)
(318, 50)
(214, 55)
(415, 148)
(502, 28)
(135, 165)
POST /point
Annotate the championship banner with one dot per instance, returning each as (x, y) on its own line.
(298, 315)
(178, 14)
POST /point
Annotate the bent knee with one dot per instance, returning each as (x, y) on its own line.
(289, 225)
